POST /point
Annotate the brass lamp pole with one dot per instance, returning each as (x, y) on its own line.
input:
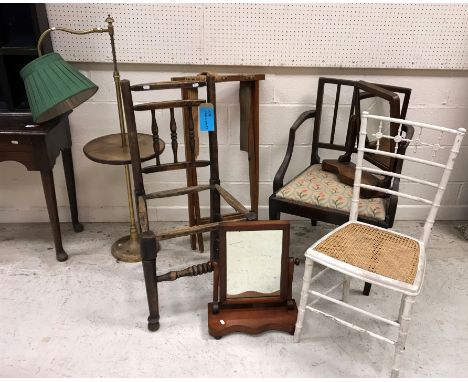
(113, 149)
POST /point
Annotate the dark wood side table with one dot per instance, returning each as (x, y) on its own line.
(37, 148)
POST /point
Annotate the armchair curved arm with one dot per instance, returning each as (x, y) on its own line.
(279, 177)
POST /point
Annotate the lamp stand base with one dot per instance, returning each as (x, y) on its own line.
(127, 249)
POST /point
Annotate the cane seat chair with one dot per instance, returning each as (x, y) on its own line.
(378, 255)
(149, 240)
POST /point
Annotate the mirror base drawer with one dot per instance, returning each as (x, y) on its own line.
(251, 320)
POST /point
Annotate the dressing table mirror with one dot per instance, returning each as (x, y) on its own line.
(252, 288)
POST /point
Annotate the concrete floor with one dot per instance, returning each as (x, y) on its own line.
(87, 317)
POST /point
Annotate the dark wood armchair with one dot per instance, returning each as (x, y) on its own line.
(150, 239)
(319, 195)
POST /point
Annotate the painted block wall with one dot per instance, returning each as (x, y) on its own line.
(438, 97)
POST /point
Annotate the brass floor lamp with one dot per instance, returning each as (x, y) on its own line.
(113, 149)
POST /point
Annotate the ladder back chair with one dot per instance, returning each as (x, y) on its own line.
(149, 240)
(378, 255)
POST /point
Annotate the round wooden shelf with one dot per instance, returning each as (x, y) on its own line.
(108, 149)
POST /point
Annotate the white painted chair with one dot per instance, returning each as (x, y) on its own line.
(376, 255)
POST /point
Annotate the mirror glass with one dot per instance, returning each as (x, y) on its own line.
(253, 263)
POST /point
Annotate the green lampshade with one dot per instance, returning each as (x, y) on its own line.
(54, 87)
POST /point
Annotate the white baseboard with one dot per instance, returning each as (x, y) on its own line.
(178, 213)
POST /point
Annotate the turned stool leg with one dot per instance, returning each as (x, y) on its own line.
(148, 251)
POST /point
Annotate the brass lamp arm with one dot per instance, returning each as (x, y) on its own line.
(47, 31)
(109, 29)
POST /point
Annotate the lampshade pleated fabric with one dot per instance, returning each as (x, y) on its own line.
(54, 87)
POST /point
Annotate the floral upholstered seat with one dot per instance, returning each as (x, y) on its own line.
(321, 188)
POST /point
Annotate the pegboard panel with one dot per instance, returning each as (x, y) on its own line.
(338, 35)
(416, 36)
(144, 33)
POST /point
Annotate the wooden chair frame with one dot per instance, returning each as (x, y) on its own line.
(409, 291)
(149, 239)
(362, 90)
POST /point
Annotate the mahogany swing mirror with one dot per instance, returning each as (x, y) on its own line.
(252, 288)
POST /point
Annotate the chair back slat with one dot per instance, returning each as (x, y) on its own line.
(353, 124)
(396, 193)
(335, 113)
(168, 104)
(173, 128)
(155, 132)
(405, 157)
(354, 112)
(163, 85)
(398, 175)
(396, 137)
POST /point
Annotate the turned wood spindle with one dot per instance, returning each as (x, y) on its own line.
(155, 131)
(194, 270)
(173, 128)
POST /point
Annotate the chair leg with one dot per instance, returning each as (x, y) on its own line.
(215, 216)
(148, 250)
(346, 284)
(402, 305)
(274, 214)
(407, 305)
(214, 246)
(366, 290)
(309, 264)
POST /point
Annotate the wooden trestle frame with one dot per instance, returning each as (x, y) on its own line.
(249, 98)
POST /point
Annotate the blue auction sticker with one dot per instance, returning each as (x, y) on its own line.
(206, 117)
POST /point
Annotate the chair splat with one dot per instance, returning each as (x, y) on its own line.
(335, 113)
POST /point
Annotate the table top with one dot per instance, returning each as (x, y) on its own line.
(108, 149)
(223, 77)
(22, 124)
